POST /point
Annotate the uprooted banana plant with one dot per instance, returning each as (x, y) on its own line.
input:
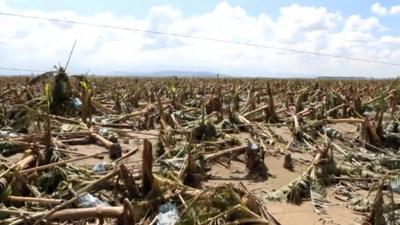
(311, 183)
(68, 156)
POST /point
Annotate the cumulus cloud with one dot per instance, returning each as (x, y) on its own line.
(395, 10)
(41, 44)
(296, 22)
(357, 24)
(378, 9)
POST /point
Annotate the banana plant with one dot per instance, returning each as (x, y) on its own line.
(87, 93)
(49, 101)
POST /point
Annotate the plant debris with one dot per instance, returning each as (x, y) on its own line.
(83, 150)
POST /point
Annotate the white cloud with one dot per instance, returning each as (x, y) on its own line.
(390, 40)
(296, 21)
(357, 24)
(41, 44)
(378, 9)
(395, 10)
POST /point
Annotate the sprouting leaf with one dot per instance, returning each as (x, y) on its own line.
(85, 85)
(173, 88)
(48, 93)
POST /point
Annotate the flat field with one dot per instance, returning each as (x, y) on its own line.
(123, 150)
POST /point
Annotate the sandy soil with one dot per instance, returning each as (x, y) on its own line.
(287, 214)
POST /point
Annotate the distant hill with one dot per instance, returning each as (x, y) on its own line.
(167, 73)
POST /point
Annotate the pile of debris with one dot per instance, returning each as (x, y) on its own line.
(141, 151)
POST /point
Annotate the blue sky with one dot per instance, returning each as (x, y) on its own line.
(356, 28)
(190, 7)
(140, 8)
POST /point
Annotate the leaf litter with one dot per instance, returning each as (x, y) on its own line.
(99, 150)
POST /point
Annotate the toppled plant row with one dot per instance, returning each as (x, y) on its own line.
(199, 123)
